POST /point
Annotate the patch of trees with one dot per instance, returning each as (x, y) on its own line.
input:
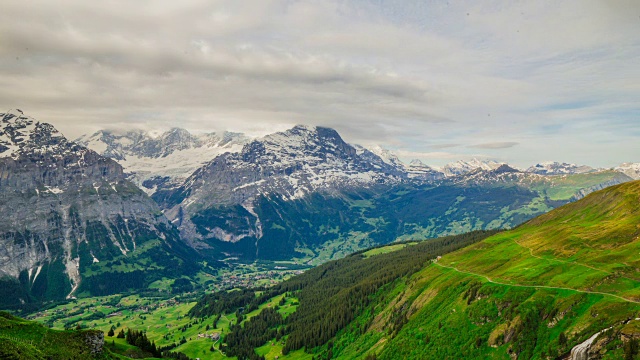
(224, 302)
(140, 340)
(241, 341)
(175, 355)
(181, 285)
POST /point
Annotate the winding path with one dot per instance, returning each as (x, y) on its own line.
(574, 262)
(536, 286)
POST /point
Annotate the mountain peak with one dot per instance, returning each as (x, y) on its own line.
(461, 167)
(504, 168)
(21, 134)
(303, 127)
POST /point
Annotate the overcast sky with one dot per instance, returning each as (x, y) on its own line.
(517, 81)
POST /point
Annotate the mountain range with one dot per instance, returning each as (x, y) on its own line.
(306, 193)
(87, 216)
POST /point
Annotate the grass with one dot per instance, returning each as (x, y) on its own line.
(386, 249)
(21, 339)
(587, 245)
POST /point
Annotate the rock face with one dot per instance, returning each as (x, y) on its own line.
(161, 160)
(618, 179)
(64, 208)
(95, 341)
(420, 171)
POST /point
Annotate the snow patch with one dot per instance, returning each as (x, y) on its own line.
(54, 190)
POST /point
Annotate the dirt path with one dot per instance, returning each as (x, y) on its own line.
(537, 286)
(562, 261)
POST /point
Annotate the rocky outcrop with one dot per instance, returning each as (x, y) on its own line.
(95, 341)
(618, 179)
(590, 348)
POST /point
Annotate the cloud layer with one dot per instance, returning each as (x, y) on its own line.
(522, 82)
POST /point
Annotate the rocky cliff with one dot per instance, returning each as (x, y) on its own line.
(65, 209)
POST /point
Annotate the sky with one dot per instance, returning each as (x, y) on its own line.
(514, 81)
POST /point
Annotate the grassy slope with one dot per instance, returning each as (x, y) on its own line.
(494, 297)
(589, 245)
(22, 339)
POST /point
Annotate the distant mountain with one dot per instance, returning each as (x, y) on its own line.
(418, 170)
(222, 200)
(67, 213)
(556, 168)
(462, 167)
(158, 160)
(388, 156)
(630, 169)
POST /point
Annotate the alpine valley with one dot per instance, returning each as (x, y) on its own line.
(299, 245)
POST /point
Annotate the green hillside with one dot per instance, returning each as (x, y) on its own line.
(21, 339)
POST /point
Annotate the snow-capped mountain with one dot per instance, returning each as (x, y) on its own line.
(630, 169)
(416, 169)
(290, 165)
(154, 160)
(64, 207)
(385, 155)
(557, 168)
(461, 167)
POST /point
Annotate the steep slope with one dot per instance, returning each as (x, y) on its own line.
(160, 160)
(416, 169)
(565, 285)
(67, 212)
